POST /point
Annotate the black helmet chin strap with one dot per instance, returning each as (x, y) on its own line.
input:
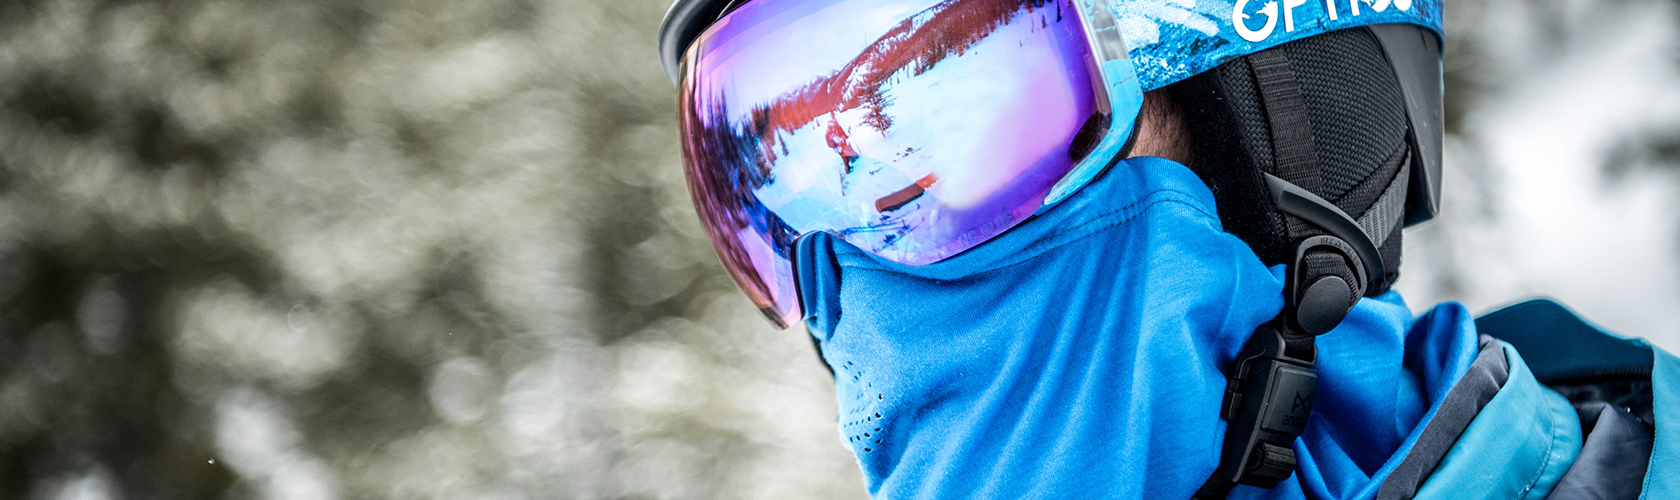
(1269, 390)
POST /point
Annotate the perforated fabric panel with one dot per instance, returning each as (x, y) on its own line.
(1357, 111)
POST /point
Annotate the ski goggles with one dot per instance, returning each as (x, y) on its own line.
(912, 129)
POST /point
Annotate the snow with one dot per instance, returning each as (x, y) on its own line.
(1555, 224)
(945, 125)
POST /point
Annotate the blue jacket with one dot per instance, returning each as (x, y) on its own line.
(1081, 355)
(1581, 413)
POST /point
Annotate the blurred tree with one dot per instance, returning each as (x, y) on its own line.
(372, 249)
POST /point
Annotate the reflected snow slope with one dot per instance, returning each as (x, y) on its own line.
(947, 129)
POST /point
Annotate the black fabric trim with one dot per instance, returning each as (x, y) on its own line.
(1487, 374)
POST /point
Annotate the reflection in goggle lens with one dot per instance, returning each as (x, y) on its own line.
(911, 129)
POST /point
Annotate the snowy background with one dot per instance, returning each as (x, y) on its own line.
(1563, 149)
(441, 249)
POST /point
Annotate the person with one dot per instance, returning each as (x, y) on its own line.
(841, 144)
(1152, 258)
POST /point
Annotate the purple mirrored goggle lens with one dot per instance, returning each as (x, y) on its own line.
(913, 129)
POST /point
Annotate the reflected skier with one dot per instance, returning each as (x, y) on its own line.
(841, 143)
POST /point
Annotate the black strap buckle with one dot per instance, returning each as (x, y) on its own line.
(1268, 397)
(1269, 391)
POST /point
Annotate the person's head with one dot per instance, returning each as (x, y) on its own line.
(962, 118)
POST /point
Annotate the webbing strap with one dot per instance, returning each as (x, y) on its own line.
(1327, 275)
(1296, 155)
(1293, 149)
(1378, 221)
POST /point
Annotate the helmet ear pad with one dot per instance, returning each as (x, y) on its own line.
(1357, 114)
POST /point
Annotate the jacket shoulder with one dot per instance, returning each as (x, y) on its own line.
(1621, 386)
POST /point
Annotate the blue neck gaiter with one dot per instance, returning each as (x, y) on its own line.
(1080, 354)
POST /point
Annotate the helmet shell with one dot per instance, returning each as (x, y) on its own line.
(1168, 40)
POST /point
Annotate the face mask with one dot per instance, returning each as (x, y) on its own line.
(1080, 351)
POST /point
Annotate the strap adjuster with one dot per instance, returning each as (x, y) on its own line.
(1318, 295)
(1268, 398)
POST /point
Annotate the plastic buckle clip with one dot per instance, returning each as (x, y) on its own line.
(1268, 398)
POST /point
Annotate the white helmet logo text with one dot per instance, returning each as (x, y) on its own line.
(1239, 19)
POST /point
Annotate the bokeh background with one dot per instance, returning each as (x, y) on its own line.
(321, 249)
